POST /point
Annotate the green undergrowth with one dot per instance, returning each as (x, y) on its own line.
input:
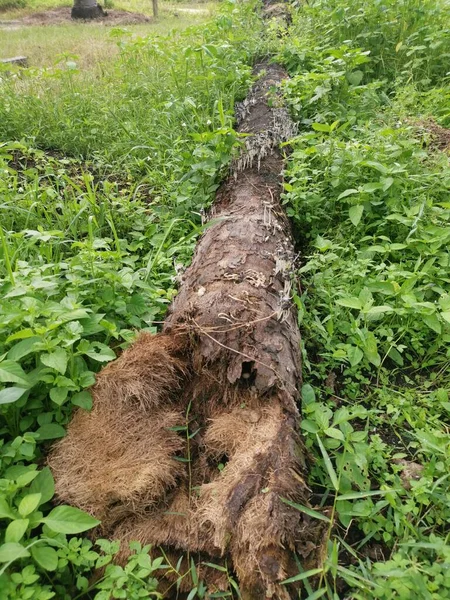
(368, 194)
(105, 173)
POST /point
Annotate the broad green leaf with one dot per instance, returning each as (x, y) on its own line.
(387, 182)
(372, 187)
(351, 302)
(355, 77)
(23, 348)
(355, 213)
(44, 484)
(348, 192)
(11, 394)
(12, 551)
(45, 556)
(375, 165)
(12, 372)
(334, 433)
(442, 395)
(321, 127)
(74, 315)
(379, 310)
(371, 349)
(322, 244)
(446, 315)
(310, 426)
(26, 478)
(56, 360)
(16, 530)
(308, 394)
(59, 394)
(444, 302)
(100, 352)
(69, 520)
(5, 510)
(20, 335)
(395, 355)
(51, 431)
(28, 504)
(355, 355)
(83, 400)
(433, 322)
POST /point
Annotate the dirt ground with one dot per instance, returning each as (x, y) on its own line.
(61, 16)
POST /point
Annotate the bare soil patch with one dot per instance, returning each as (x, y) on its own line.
(439, 136)
(61, 16)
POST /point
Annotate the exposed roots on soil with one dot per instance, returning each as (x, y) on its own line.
(193, 443)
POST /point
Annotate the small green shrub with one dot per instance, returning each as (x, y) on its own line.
(11, 4)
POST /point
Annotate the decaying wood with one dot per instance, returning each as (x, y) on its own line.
(20, 61)
(193, 442)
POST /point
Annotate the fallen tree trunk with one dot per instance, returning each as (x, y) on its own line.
(193, 441)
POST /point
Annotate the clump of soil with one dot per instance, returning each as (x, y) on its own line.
(439, 136)
(61, 15)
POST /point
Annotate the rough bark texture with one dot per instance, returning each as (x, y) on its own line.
(87, 9)
(216, 389)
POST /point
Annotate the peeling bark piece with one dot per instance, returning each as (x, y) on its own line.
(193, 441)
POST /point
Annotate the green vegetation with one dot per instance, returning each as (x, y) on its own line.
(90, 45)
(106, 169)
(368, 196)
(94, 224)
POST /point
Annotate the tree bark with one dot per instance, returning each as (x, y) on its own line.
(87, 9)
(193, 442)
(155, 8)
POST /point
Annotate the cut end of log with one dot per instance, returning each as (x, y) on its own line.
(88, 12)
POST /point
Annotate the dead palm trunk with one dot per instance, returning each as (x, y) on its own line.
(86, 9)
(193, 442)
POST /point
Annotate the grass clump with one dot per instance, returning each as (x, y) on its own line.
(105, 173)
(367, 191)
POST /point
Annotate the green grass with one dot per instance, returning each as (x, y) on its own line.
(93, 45)
(105, 171)
(368, 195)
(107, 162)
(15, 9)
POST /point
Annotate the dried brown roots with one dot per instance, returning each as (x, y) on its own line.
(121, 462)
